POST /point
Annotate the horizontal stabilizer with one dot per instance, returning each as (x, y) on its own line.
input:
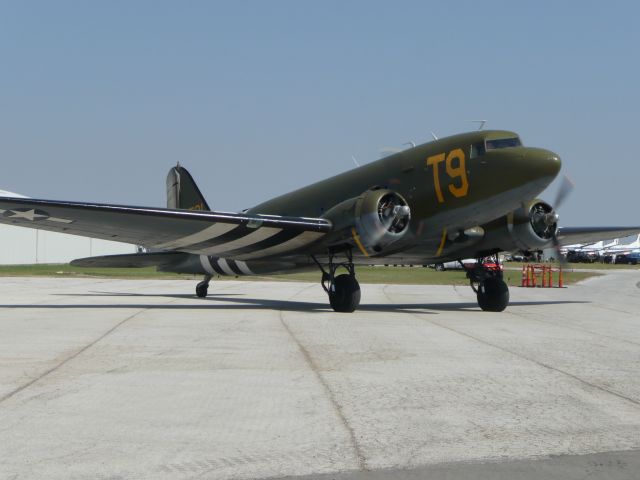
(131, 260)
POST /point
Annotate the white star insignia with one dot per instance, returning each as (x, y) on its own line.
(30, 215)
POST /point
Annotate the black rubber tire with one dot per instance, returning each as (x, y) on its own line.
(345, 294)
(493, 295)
(202, 289)
(439, 267)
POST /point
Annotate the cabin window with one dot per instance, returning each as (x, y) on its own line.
(496, 143)
(477, 150)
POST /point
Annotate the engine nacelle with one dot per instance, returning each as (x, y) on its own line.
(371, 221)
(532, 226)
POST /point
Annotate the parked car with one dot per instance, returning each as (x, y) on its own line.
(574, 256)
(628, 258)
(634, 258)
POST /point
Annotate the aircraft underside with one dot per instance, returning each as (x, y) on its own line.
(338, 275)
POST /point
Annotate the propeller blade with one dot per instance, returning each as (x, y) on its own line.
(563, 192)
(565, 189)
(562, 261)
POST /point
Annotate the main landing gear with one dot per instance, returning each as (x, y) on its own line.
(486, 280)
(203, 287)
(343, 289)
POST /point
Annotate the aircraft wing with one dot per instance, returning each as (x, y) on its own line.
(232, 235)
(575, 235)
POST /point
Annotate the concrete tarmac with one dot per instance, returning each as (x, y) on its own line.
(114, 379)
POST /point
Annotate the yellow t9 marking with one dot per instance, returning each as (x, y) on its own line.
(459, 171)
(435, 160)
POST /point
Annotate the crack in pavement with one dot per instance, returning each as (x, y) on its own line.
(573, 328)
(337, 408)
(524, 357)
(74, 355)
(51, 370)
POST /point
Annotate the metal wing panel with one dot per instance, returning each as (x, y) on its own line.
(573, 235)
(160, 228)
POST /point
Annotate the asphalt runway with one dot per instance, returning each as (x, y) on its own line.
(110, 379)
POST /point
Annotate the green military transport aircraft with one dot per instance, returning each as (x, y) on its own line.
(468, 195)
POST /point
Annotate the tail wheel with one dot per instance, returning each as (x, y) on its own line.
(203, 287)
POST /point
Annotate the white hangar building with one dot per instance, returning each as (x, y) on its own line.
(19, 246)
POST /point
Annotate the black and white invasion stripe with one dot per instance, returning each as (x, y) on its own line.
(224, 266)
(242, 241)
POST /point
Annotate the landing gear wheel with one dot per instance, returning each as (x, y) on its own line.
(493, 295)
(202, 288)
(344, 294)
(343, 290)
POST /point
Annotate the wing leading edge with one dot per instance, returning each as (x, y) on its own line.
(573, 235)
(234, 235)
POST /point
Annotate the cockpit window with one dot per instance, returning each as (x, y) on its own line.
(502, 143)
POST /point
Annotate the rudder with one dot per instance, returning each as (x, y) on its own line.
(182, 191)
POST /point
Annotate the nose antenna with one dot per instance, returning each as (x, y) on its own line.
(479, 122)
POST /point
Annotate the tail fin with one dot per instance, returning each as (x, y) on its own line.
(182, 191)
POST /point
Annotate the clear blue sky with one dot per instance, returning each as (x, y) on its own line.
(99, 99)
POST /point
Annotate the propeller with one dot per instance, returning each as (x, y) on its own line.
(563, 193)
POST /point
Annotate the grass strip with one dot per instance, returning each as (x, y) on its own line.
(366, 274)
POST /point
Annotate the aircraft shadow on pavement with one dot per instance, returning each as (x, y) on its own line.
(145, 295)
(240, 302)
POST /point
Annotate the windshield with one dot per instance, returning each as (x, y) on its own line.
(502, 143)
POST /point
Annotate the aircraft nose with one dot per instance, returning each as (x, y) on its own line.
(544, 163)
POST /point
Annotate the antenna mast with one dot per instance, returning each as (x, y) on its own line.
(479, 122)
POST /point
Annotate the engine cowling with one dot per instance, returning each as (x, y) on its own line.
(533, 226)
(373, 221)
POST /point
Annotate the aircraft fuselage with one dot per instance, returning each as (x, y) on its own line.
(450, 185)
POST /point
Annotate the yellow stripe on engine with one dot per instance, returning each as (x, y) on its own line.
(356, 238)
(442, 241)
